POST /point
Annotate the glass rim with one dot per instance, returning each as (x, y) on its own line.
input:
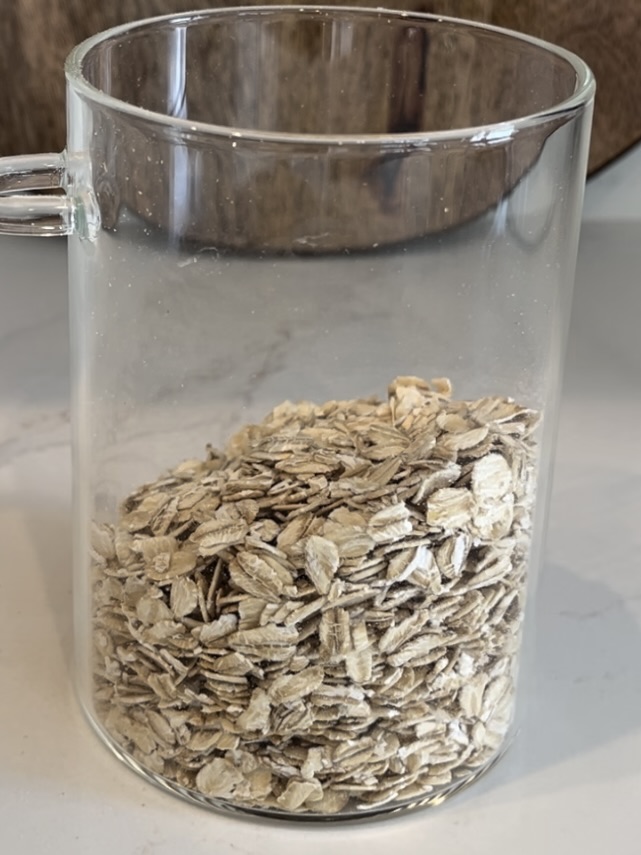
(485, 134)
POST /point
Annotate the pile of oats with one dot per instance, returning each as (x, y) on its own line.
(325, 617)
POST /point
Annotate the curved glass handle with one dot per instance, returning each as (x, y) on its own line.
(25, 214)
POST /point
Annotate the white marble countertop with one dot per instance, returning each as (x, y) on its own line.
(571, 784)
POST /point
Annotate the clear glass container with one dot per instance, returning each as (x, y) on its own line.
(300, 560)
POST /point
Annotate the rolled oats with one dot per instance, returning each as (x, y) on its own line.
(324, 617)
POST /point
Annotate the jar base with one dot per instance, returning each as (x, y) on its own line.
(432, 799)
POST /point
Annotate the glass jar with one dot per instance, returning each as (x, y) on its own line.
(321, 263)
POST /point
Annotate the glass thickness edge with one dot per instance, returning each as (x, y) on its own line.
(487, 134)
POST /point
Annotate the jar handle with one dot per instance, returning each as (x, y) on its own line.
(30, 214)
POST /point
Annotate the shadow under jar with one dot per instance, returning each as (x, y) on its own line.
(301, 561)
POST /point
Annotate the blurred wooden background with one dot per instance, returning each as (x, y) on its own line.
(36, 35)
